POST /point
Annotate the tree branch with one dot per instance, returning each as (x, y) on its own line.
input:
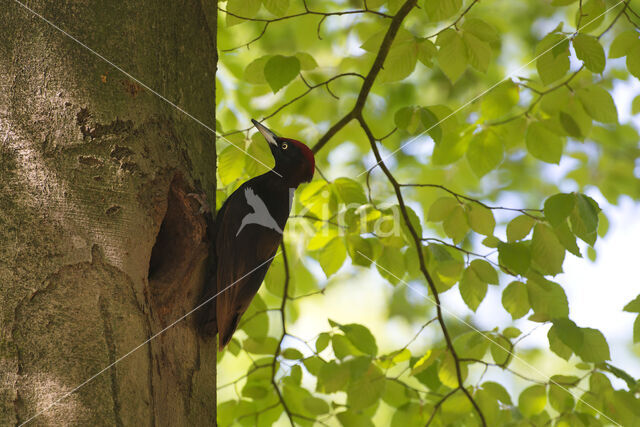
(423, 268)
(285, 294)
(392, 31)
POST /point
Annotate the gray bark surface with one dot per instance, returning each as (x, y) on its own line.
(95, 170)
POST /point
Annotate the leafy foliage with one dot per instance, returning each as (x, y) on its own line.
(459, 147)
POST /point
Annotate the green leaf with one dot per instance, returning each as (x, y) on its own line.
(484, 271)
(543, 143)
(316, 406)
(569, 333)
(547, 253)
(276, 7)
(442, 208)
(243, 8)
(623, 43)
(408, 119)
(332, 256)
(307, 62)
(497, 391)
(519, 228)
(480, 29)
(313, 364)
(515, 256)
(349, 191)
(254, 73)
(361, 251)
(515, 299)
(532, 400)
(584, 219)
(488, 405)
(426, 52)
(598, 103)
(558, 207)
(553, 58)
(511, 332)
(594, 346)
(636, 330)
(422, 363)
(593, 13)
(256, 321)
(590, 51)
(472, 289)
(254, 391)
(557, 345)
(633, 306)
(266, 345)
(408, 415)
(481, 219)
(631, 382)
(390, 265)
(292, 354)
(500, 100)
(471, 344)
(392, 359)
(332, 377)
(452, 54)
(447, 371)
(400, 61)
(342, 347)
(431, 124)
(231, 163)
(322, 341)
(560, 399)
(441, 9)
(395, 395)
(455, 225)
(547, 299)
(280, 70)
(570, 126)
(414, 221)
(633, 61)
(500, 349)
(635, 105)
(478, 51)
(354, 419)
(361, 338)
(366, 390)
(417, 120)
(485, 152)
(567, 238)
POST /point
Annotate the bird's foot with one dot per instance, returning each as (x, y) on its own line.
(201, 198)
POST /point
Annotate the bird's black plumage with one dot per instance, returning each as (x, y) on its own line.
(247, 232)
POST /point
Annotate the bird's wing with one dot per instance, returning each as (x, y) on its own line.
(242, 263)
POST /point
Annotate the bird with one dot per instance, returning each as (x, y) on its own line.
(247, 232)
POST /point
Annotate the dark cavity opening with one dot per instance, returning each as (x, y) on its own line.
(179, 254)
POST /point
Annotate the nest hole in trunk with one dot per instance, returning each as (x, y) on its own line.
(177, 266)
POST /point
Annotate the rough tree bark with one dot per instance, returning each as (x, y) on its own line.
(100, 245)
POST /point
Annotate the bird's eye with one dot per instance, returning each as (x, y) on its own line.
(284, 145)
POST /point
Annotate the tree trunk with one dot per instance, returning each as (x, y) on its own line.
(101, 246)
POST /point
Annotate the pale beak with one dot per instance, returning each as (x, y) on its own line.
(268, 135)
